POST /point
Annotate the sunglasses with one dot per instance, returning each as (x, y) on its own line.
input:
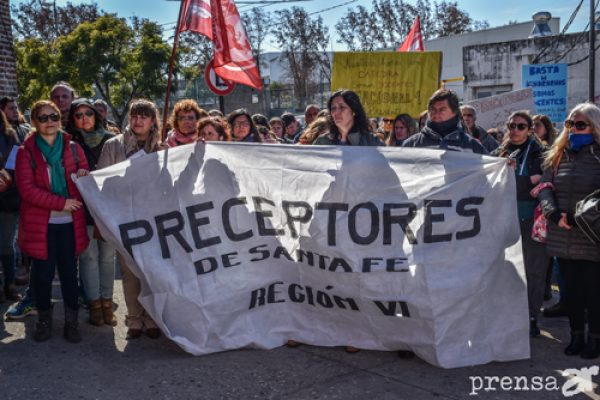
(87, 113)
(388, 120)
(42, 119)
(579, 125)
(520, 127)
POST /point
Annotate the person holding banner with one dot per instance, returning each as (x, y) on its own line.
(143, 134)
(8, 221)
(572, 173)
(404, 127)
(184, 120)
(443, 129)
(212, 129)
(97, 262)
(521, 145)
(242, 128)
(52, 220)
(349, 123)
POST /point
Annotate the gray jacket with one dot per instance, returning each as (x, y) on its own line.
(578, 175)
(354, 138)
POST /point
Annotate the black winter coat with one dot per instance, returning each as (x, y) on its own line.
(578, 175)
(457, 141)
(535, 159)
(485, 139)
(354, 139)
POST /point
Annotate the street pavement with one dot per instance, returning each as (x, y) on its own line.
(107, 366)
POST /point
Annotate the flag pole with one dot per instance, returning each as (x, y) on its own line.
(175, 43)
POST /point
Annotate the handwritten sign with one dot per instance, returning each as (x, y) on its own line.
(388, 83)
(493, 112)
(549, 83)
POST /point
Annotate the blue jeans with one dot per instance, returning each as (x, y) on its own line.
(97, 268)
(8, 229)
(61, 255)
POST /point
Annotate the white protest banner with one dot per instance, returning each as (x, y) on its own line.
(493, 112)
(247, 246)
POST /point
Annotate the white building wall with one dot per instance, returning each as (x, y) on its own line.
(452, 46)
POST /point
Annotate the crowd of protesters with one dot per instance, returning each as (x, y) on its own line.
(67, 135)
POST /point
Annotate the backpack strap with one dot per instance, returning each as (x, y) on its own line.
(31, 161)
(75, 154)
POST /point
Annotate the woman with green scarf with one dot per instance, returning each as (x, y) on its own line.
(97, 263)
(51, 220)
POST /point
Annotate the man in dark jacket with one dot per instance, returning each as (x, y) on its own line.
(443, 129)
(293, 130)
(470, 116)
(10, 108)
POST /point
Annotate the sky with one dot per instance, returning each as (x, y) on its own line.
(497, 13)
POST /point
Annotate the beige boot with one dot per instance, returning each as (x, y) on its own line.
(108, 312)
(95, 309)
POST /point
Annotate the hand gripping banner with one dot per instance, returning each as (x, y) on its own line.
(248, 246)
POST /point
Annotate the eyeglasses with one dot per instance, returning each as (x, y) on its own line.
(579, 125)
(189, 118)
(520, 127)
(388, 120)
(242, 123)
(87, 113)
(42, 119)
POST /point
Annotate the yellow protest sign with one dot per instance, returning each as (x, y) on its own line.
(388, 83)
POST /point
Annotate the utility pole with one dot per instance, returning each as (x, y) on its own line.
(592, 61)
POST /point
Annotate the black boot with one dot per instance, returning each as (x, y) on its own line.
(71, 330)
(557, 310)
(406, 354)
(43, 327)
(592, 350)
(534, 331)
(576, 346)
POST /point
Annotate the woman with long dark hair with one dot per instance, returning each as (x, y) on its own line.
(521, 145)
(349, 124)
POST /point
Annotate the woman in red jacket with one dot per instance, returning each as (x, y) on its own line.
(52, 227)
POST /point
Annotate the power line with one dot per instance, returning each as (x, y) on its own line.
(579, 40)
(557, 37)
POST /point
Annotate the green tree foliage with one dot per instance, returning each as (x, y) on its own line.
(121, 62)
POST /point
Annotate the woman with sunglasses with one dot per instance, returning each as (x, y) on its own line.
(573, 170)
(242, 128)
(52, 229)
(97, 262)
(184, 120)
(143, 133)
(526, 154)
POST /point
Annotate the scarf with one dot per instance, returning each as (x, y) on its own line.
(53, 156)
(580, 139)
(92, 139)
(443, 128)
(176, 138)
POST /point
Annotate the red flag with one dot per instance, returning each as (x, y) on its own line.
(233, 56)
(197, 18)
(414, 40)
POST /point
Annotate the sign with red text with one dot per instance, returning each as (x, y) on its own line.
(493, 112)
(217, 85)
(242, 245)
(391, 82)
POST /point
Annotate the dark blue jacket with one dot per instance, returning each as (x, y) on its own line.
(457, 141)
